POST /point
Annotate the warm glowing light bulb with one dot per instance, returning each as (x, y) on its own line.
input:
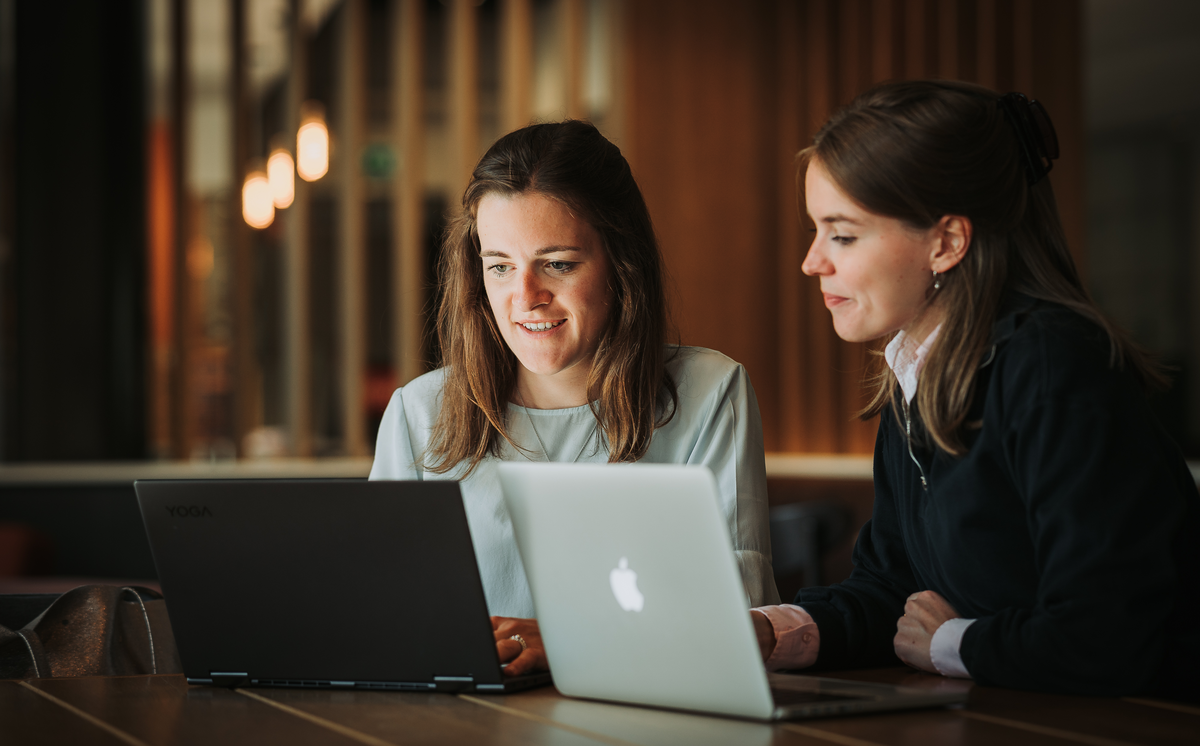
(281, 173)
(258, 207)
(312, 149)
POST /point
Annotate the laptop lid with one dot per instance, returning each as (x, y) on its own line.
(321, 583)
(639, 597)
(637, 592)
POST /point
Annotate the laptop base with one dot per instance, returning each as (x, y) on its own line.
(514, 684)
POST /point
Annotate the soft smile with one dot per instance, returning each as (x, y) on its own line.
(541, 326)
(832, 300)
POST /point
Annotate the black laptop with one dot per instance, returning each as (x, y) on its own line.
(323, 583)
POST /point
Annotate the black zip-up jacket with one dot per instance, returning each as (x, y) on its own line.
(1070, 529)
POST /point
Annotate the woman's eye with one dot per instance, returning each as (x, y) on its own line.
(561, 266)
(499, 269)
(843, 240)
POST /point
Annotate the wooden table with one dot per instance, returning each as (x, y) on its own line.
(143, 710)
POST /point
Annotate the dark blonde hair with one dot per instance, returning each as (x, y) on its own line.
(629, 389)
(919, 150)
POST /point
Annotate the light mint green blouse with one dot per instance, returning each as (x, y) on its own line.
(717, 425)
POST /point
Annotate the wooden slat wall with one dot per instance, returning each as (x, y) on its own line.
(351, 249)
(718, 100)
(247, 376)
(182, 377)
(516, 77)
(571, 39)
(700, 86)
(408, 250)
(464, 91)
(297, 349)
(713, 100)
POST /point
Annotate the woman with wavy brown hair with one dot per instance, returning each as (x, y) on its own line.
(1034, 527)
(553, 332)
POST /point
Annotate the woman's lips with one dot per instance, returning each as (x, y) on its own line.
(832, 300)
(541, 328)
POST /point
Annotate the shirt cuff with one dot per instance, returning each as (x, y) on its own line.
(943, 649)
(797, 639)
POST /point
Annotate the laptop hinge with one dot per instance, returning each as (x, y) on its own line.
(230, 678)
(454, 683)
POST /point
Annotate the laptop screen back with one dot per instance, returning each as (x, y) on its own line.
(320, 579)
(638, 595)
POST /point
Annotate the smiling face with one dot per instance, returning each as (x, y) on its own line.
(547, 280)
(875, 271)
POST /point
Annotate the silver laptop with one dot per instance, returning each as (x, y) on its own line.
(323, 583)
(639, 597)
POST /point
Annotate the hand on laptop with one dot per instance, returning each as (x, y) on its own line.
(520, 661)
(923, 614)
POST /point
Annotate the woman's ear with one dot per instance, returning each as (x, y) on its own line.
(952, 237)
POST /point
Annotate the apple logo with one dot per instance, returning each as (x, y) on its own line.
(624, 587)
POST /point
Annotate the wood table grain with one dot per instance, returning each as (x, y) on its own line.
(165, 710)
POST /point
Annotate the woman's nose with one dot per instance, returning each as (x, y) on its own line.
(815, 263)
(532, 291)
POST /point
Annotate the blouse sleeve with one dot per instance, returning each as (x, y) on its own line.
(730, 444)
(395, 456)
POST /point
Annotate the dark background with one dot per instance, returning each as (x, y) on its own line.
(74, 309)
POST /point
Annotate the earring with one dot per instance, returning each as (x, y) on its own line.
(937, 283)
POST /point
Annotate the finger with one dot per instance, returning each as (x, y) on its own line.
(530, 660)
(507, 650)
(926, 601)
(916, 616)
(508, 628)
(931, 618)
(924, 617)
(919, 602)
(934, 603)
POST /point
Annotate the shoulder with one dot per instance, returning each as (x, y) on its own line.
(406, 425)
(426, 385)
(1036, 322)
(698, 370)
(421, 397)
(1048, 350)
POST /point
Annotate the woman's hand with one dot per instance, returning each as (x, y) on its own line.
(765, 632)
(923, 614)
(532, 658)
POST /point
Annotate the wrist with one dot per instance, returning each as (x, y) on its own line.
(764, 631)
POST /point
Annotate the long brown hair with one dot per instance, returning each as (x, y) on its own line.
(919, 150)
(629, 389)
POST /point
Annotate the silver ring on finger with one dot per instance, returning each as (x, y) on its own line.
(521, 641)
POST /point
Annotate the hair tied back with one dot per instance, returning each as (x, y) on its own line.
(1035, 133)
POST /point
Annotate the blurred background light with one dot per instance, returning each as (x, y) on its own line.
(258, 205)
(312, 144)
(281, 173)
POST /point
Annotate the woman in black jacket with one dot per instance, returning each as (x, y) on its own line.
(1034, 527)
